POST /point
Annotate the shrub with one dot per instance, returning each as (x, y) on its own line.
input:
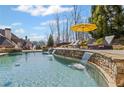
(99, 41)
(9, 50)
(50, 42)
(45, 48)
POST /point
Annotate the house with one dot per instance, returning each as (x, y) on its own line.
(10, 40)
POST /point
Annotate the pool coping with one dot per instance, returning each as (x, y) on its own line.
(23, 51)
(102, 52)
(2, 54)
(107, 78)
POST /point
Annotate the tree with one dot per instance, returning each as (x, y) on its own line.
(76, 17)
(50, 42)
(57, 20)
(109, 20)
(99, 17)
(52, 27)
(118, 21)
(65, 29)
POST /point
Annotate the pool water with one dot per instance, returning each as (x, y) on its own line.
(38, 70)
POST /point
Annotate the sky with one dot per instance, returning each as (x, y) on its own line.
(33, 20)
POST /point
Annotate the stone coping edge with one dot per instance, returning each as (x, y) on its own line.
(107, 78)
(23, 51)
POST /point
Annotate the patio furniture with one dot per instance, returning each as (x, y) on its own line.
(107, 43)
(76, 44)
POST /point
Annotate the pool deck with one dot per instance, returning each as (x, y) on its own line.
(31, 50)
(114, 54)
(1, 54)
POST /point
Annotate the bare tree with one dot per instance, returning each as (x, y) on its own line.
(52, 27)
(63, 32)
(67, 29)
(76, 16)
(57, 22)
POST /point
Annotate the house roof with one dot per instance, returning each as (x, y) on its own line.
(5, 42)
(15, 39)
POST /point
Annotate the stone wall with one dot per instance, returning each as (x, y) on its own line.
(70, 53)
(120, 72)
(105, 63)
(113, 67)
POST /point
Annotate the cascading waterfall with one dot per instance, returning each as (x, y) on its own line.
(53, 51)
(86, 57)
(84, 60)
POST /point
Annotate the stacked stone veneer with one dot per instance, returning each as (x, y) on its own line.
(113, 67)
(105, 63)
(120, 72)
(70, 53)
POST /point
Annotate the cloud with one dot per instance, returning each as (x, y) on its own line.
(38, 28)
(4, 26)
(48, 22)
(52, 22)
(36, 37)
(10, 26)
(16, 24)
(40, 10)
(57, 9)
(20, 31)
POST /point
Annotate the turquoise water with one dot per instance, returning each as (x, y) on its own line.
(38, 70)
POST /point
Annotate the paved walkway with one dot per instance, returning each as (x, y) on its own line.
(2, 54)
(32, 50)
(115, 54)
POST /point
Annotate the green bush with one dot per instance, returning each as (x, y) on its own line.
(45, 48)
(99, 41)
(83, 43)
(50, 41)
(9, 50)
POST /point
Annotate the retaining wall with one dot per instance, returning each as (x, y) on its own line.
(112, 70)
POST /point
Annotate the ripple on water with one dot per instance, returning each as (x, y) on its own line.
(38, 70)
(7, 84)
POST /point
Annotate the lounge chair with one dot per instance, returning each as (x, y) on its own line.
(107, 43)
(71, 43)
(76, 44)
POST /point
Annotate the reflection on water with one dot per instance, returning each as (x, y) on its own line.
(38, 70)
(7, 61)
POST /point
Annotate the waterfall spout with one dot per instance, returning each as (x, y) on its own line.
(86, 57)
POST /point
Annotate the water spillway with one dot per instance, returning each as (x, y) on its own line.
(86, 57)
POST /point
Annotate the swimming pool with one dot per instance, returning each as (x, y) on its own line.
(39, 70)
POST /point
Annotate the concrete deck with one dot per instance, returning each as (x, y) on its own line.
(23, 51)
(3, 54)
(31, 50)
(114, 54)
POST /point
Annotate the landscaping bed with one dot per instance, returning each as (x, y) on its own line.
(9, 50)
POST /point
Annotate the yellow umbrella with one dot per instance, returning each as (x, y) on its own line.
(83, 27)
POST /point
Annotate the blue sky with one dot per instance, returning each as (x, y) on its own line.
(33, 20)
